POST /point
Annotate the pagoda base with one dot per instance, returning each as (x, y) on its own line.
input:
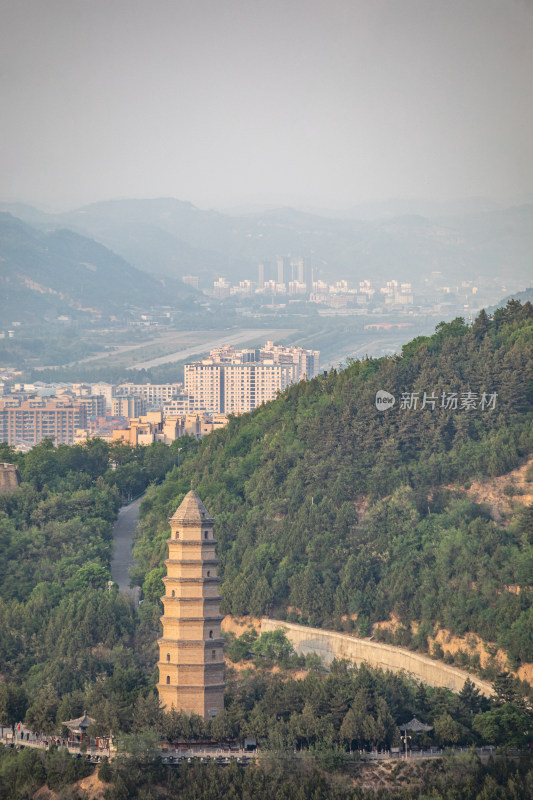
(206, 701)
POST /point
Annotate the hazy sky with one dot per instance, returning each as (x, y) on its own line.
(285, 101)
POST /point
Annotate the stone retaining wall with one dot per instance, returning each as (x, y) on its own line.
(9, 478)
(329, 645)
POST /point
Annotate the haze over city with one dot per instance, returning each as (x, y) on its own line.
(305, 103)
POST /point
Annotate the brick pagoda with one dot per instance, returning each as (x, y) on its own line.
(191, 664)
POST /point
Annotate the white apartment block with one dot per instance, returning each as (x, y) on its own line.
(153, 393)
(307, 361)
(234, 381)
(128, 406)
(107, 390)
(180, 404)
(205, 382)
(246, 386)
(235, 388)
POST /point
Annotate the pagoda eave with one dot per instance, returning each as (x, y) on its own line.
(190, 643)
(214, 618)
(191, 542)
(201, 579)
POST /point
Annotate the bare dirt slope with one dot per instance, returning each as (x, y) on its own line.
(496, 492)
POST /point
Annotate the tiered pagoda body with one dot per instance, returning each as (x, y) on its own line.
(191, 664)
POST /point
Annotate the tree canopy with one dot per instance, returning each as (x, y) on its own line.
(330, 510)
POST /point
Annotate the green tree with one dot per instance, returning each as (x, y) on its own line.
(274, 646)
(505, 725)
(447, 730)
(41, 714)
(147, 713)
(13, 704)
(153, 587)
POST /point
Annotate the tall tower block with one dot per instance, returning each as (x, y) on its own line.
(191, 664)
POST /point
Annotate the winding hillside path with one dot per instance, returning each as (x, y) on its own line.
(123, 533)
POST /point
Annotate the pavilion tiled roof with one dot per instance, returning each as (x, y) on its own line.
(416, 725)
(80, 722)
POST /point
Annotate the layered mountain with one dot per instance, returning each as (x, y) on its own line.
(62, 272)
(174, 238)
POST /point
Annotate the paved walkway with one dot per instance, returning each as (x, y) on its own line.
(223, 755)
(123, 533)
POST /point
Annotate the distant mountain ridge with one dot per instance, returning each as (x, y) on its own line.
(523, 297)
(63, 272)
(169, 237)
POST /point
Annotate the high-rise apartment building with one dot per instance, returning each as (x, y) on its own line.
(28, 422)
(233, 381)
(207, 379)
(128, 405)
(107, 390)
(236, 388)
(191, 280)
(181, 403)
(221, 288)
(248, 385)
(307, 361)
(299, 268)
(95, 406)
(281, 269)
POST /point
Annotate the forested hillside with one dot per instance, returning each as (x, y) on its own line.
(328, 507)
(68, 641)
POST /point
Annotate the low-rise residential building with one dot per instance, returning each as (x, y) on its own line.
(154, 427)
